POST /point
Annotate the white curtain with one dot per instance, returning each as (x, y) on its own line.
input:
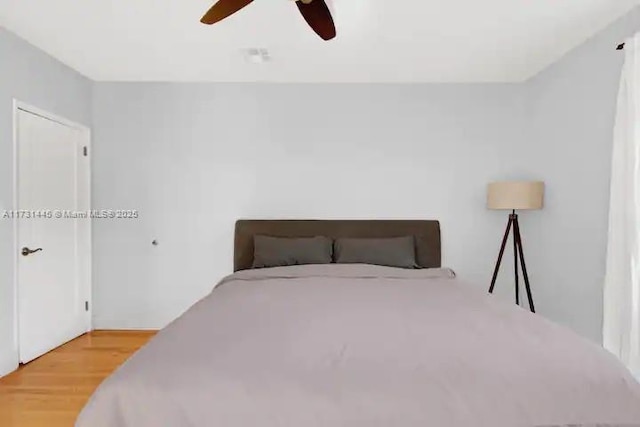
(622, 282)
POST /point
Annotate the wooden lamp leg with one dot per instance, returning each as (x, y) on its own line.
(515, 256)
(516, 227)
(504, 244)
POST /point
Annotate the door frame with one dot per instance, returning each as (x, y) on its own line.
(88, 282)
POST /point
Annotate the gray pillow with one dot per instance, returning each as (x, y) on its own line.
(279, 251)
(393, 252)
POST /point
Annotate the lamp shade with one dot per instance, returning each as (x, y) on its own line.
(518, 195)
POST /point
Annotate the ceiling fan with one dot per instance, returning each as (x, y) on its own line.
(315, 12)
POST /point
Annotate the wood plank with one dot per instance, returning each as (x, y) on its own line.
(51, 390)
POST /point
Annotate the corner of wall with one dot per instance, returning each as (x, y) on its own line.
(608, 38)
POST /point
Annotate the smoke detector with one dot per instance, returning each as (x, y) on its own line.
(257, 55)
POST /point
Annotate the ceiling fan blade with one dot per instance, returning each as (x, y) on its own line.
(223, 9)
(318, 16)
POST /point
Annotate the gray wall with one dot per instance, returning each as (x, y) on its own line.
(193, 158)
(33, 77)
(571, 110)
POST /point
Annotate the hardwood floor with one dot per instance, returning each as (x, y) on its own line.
(51, 391)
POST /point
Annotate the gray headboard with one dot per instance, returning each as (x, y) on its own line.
(426, 233)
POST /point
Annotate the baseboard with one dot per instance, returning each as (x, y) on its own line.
(8, 364)
(138, 330)
(107, 324)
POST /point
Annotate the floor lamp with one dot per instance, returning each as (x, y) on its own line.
(513, 196)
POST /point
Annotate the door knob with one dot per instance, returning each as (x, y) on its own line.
(26, 251)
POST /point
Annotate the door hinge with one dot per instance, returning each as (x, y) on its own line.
(85, 151)
(86, 306)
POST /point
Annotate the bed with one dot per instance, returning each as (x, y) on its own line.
(358, 345)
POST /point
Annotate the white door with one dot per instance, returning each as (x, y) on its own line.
(53, 244)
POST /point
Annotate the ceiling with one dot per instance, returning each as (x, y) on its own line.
(378, 40)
